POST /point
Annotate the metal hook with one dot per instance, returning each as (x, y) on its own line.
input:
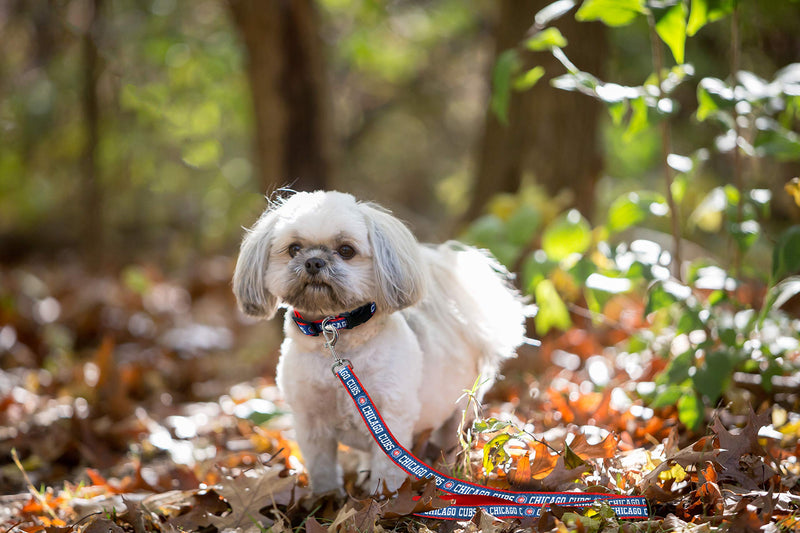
(330, 332)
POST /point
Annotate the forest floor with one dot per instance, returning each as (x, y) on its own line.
(142, 402)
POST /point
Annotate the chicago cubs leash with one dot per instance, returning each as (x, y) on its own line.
(466, 496)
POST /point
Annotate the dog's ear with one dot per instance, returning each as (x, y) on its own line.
(398, 264)
(249, 278)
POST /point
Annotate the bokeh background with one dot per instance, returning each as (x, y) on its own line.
(138, 138)
(136, 129)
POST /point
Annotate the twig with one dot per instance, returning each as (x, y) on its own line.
(666, 149)
(35, 493)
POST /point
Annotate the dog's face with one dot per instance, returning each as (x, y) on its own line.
(324, 253)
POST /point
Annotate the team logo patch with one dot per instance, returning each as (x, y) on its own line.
(397, 453)
(449, 485)
(529, 511)
(520, 499)
(362, 400)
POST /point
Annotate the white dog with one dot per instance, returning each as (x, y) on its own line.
(422, 322)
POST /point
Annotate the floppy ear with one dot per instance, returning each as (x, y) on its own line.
(249, 278)
(398, 264)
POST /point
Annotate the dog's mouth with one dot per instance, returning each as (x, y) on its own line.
(318, 286)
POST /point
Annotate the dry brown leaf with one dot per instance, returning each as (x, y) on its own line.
(102, 525)
(604, 449)
(543, 461)
(247, 494)
(741, 455)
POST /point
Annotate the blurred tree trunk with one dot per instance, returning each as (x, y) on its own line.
(286, 69)
(551, 134)
(92, 236)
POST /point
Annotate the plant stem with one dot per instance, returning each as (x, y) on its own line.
(737, 161)
(666, 149)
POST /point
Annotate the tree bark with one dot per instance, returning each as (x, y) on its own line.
(92, 235)
(551, 134)
(291, 109)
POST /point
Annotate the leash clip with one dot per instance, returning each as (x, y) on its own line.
(331, 334)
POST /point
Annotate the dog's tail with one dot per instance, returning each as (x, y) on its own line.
(480, 298)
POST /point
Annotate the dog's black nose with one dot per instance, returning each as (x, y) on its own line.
(314, 264)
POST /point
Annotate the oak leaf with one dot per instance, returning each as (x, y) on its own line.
(247, 494)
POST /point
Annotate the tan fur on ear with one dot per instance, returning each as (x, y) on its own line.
(401, 282)
(249, 277)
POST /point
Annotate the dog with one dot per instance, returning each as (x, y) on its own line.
(423, 322)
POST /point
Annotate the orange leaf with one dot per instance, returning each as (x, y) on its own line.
(543, 461)
(522, 473)
(604, 449)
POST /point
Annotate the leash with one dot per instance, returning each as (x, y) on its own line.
(466, 496)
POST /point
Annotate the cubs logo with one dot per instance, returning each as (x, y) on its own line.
(396, 452)
(520, 499)
(529, 511)
(362, 400)
(449, 485)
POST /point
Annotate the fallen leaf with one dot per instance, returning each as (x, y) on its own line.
(247, 494)
(604, 449)
(741, 455)
(102, 525)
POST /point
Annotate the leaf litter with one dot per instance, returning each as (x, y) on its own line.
(121, 410)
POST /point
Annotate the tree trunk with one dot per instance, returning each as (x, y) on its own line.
(92, 236)
(551, 134)
(285, 66)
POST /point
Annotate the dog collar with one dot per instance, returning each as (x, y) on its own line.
(347, 320)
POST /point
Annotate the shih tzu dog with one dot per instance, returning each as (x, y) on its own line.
(423, 322)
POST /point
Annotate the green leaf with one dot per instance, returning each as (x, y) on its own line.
(706, 106)
(639, 121)
(568, 234)
(713, 95)
(552, 311)
(633, 208)
(489, 425)
(617, 110)
(776, 141)
(546, 39)
(662, 294)
(678, 369)
(611, 12)
(507, 65)
(525, 81)
(783, 292)
(522, 224)
(536, 267)
(202, 154)
(712, 377)
(669, 396)
(494, 452)
(671, 27)
(486, 230)
(706, 11)
(690, 411)
(786, 254)
(745, 233)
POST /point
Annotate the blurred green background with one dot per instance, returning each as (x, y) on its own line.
(152, 129)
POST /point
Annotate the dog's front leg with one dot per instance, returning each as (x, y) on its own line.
(318, 445)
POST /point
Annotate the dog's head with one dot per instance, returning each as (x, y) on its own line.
(324, 253)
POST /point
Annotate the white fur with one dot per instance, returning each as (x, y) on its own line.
(444, 315)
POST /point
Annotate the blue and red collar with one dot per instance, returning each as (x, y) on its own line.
(346, 320)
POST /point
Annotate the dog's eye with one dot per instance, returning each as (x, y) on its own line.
(294, 249)
(346, 251)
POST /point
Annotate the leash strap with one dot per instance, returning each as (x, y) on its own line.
(467, 496)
